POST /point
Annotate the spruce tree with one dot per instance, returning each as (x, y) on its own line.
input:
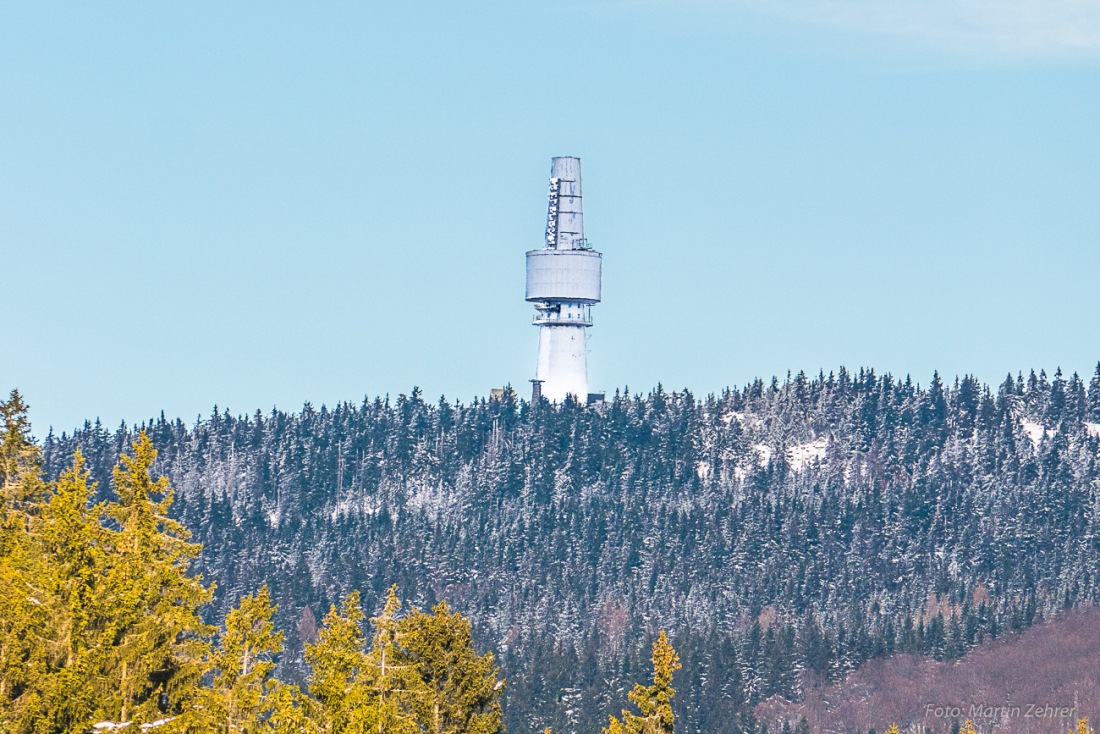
(19, 457)
(654, 702)
(1082, 727)
(23, 613)
(337, 660)
(1094, 395)
(293, 712)
(392, 680)
(241, 697)
(77, 547)
(463, 691)
(152, 637)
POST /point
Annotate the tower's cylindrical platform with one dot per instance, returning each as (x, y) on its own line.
(564, 275)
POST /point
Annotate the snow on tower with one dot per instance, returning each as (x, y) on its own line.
(563, 281)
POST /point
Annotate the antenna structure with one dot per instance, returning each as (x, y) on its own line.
(563, 282)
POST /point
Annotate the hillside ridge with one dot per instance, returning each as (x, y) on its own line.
(783, 527)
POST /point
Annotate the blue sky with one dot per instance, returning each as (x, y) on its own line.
(258, 204)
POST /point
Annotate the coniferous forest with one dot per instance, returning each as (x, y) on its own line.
(783, 533)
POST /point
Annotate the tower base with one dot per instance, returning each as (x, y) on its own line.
(563, 363)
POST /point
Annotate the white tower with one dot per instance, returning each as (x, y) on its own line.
(563, 281)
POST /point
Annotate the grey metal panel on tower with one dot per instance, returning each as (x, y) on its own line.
(564, 275)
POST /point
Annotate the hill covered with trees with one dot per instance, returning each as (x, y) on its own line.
(784, 532)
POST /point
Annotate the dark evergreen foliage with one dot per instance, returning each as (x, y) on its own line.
(784, 532)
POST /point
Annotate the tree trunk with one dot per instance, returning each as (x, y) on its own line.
(124, 714)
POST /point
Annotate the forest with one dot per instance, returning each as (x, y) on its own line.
(784, 533)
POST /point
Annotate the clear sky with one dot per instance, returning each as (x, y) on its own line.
(260, 204)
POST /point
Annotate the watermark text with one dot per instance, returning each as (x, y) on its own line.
(976, 711)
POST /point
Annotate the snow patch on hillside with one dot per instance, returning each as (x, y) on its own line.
(1035, 431)
(748, 420)
(799, 457)
(805, 454)
(429, 498)
(1093, 429)
(761, 452)
(352, 506)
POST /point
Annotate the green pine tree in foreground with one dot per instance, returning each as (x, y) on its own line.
(461, 689)
(654, 702)
(391, 678)
(100, 614)
(151, 638)
(421, 673)
(242, 696)
(23, 645)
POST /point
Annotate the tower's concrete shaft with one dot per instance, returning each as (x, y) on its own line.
(563, 281)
